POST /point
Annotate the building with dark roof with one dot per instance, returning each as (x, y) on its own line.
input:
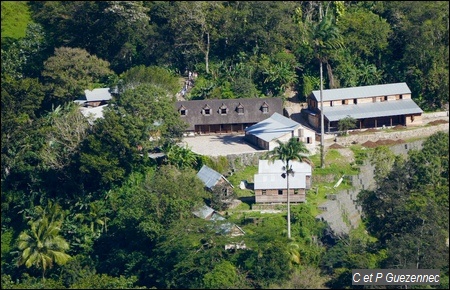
(227, 115)
(372, 106)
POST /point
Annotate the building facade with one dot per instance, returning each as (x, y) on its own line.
(271, 187)
(278, 127)
(372, 106)
(227, 115)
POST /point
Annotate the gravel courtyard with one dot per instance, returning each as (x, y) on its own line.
(219, 145)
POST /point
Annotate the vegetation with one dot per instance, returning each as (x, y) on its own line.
(346, 124)
(83, 204)
(15, 18)
(291, 150)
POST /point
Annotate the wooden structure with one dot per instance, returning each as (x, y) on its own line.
(372, 106)
(227, 115)
(278, 127)
(271, 187)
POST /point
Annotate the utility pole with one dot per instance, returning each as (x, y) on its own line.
(286, 175)
(322, 130)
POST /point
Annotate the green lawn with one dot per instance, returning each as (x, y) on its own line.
(246, 174)
(15, 18)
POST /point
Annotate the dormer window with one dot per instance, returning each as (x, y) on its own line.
(223, 110)
(206, 110)
(240, 109)
(265, 108)
(183, 111)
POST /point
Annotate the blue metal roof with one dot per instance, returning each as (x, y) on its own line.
(362, 92)
(273, 127)
(209, 176)
(372, 110)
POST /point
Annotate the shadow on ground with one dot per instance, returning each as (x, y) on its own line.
(250, 200)
(233, 140)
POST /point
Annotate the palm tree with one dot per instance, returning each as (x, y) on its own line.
(42, 246)
(324, 37)
(291, 150)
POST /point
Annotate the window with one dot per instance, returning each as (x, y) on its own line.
(280, 192)
(308, 140)
(206, 110)
(183, 111)
(296, 191)
(265, 108)
(240, 109)
(263, 192)
(223, 110)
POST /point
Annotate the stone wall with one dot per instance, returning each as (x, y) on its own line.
(404, 135)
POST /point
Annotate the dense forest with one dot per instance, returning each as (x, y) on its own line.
(84, 207)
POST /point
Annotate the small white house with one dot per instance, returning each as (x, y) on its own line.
(270, 182)
(278, 127)
(94, 98)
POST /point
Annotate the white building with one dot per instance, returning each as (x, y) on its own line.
(278, 127)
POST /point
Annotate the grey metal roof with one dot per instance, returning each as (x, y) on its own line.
(252, 111)
(206, 212)
(269, 174)
(209, 176)
(276, 181)
(371, 110)
(93, 113)
(100, 94)
(362, 92)
(276, 166)
(273, 127)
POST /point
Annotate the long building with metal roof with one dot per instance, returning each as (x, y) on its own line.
(372, 106)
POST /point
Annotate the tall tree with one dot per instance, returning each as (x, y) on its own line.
(289, 151)
(42, 246)
(323, 36)
(194, 27)
(136, 122)
(408, 211)
(70, 71)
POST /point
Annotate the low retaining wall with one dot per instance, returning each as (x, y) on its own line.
(404, 135)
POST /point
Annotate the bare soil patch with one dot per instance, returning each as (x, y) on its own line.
(369, 144)
(336, 146)
(399, 127)
(438, 122)
(386, 142)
